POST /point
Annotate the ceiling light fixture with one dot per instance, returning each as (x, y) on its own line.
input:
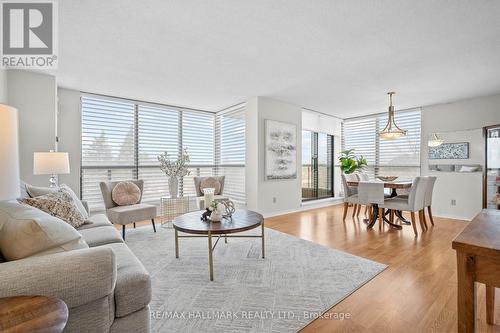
(391, 131)
(434, 141)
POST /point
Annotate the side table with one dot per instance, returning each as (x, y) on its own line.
(170, 208)
(32, 314)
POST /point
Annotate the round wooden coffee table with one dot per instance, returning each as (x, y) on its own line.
(32, 314)
(242, 220)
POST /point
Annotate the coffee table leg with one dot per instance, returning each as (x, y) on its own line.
(263, 250)
(176, 244)
(210, 263)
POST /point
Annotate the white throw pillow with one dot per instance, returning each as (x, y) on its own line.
(27, 231)
(77, 201)
(36, 191)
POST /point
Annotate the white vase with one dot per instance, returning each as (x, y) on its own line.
(216, 216)
(173, 187)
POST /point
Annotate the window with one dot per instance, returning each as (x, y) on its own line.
(121, 140)
(230, 151)
(317, 165)
(399, 157)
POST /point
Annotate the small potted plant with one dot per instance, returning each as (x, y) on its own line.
(174, 169)
(350, 163)
(217, 210)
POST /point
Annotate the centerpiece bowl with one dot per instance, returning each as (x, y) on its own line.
(387, 178)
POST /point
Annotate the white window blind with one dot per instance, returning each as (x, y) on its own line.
(230, 151)
(121, 140)
(399, 157)
(158, 132)
(198, 139)
(107, 144)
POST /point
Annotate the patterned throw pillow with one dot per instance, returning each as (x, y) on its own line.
(59, 204)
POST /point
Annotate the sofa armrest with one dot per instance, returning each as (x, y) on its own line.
(77, 277)
(85, 205)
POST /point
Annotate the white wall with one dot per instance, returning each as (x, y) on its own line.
(69, 132)
(34, 95)
(460, 121)
(262, 195)
(3, 86)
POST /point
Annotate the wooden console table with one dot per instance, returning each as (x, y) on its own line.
(478, 260)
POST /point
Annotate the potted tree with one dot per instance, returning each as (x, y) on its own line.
(350, 163)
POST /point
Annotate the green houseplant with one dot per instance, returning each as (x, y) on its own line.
(350, 163)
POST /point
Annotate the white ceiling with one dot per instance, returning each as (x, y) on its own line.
(338, 57)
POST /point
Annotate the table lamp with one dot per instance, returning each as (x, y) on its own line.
(9, 153)
(50, 163)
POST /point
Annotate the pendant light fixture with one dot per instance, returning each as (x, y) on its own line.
(434, 141)
(391, 131)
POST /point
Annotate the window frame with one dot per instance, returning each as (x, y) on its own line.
(214, 166)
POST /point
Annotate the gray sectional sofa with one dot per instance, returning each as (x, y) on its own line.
(105, 286)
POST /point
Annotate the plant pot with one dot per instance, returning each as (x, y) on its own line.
(215, 216)
(173, 187)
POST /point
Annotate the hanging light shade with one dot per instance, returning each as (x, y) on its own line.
(435, 141)
(391, 131)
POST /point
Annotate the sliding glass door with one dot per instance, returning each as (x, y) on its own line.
(317, 165)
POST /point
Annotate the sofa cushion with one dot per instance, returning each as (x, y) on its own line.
(100, 236)
(98, 220)
(38, 191)
(133, 213)
(27, 231)
(133, 284)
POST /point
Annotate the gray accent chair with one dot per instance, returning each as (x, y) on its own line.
(106, 288)
(198, 180)
(199, 193)
(124, 215)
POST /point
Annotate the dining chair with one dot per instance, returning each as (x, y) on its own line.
(363, 177)
(350, 194)
(413, 203)
(371, 194)
(431, 180)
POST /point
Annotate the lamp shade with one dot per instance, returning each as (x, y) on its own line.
(9, 153)
(50, 163)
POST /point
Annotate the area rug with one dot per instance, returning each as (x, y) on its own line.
(296, 282)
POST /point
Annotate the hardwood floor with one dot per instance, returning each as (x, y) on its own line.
(416, 293)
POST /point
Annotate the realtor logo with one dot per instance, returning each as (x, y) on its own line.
(29, 34)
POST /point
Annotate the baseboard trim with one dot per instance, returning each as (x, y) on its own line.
(306, 206)
(453, 217)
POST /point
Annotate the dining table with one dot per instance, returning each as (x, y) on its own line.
(394, 186)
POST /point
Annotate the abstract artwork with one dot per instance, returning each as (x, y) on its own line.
(449, 151)
(281, 150)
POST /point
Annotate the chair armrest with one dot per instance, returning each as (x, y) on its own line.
(85, 205)
(77, 277)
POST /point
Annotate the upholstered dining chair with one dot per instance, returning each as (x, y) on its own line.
(371, 194)
(363, 177)
(413, 203)
(124, 215)
(350, 194)
(431, 180)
